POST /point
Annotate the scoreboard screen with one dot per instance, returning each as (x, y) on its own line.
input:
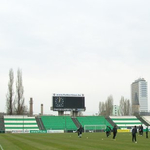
(62, 102)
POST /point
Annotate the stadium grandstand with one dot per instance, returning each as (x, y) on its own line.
(58, 123)
(19, 123)
(25, 124)
(146, 119)
(93, 122)
(126, 122)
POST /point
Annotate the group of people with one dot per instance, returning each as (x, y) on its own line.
(108, 131)
(134, 131)
(114, 130)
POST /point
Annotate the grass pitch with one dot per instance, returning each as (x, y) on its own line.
(70, 141)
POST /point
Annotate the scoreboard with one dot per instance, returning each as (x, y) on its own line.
(68, 102)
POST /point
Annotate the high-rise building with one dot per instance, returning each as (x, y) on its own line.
(139, 96)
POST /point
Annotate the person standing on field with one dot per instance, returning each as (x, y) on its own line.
(134, 131)
(147, 132)
(141, 130)
(79, 131)
(107, 131)
(114, 131)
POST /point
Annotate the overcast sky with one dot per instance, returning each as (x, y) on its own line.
(91, 47)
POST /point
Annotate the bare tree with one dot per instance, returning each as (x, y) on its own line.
(125, 107)
(109, 105)
(129, 107)
(10, 93)
(106, 108)
(102, 108)
(122, 106)
(19, 99)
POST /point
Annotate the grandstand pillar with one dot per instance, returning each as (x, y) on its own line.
(74, 113)
(31, 107)
(41, 109)
(60, 113)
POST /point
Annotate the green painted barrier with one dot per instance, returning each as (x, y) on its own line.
(38, 131)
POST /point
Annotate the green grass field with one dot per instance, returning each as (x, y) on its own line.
(70, 141)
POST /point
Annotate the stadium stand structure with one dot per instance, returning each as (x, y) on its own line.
(142, 120)
(146, 119)
(19, 122)
(93, 120)
(76, 122)
(126, 121)
(109, 120)
(40, 123)
(58, 123)
(2, 127)
(9, 123)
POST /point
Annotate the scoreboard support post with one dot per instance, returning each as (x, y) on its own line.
(60, 113)
(74, 113)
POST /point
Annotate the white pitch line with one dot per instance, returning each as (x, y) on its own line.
(1, 147)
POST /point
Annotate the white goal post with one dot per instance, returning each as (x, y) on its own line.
(94, 128)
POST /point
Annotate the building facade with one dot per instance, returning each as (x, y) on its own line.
(139, 96)
(116, 110)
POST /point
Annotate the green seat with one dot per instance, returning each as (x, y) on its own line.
(93, 120)
(58, 123)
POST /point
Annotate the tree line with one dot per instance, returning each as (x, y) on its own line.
(106, 108)
(15, 102)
